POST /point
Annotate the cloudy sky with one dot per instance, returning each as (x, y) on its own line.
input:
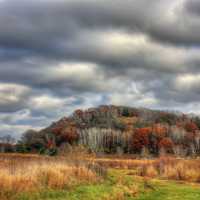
(59, 55)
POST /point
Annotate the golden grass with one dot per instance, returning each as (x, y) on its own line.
(28, 173)
(184, 170)
(164, 167)
(120, 163)
(21, 173)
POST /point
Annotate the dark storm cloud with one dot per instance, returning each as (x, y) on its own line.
(49, 27)
(193, 7)
(68, 30)
(56, 56)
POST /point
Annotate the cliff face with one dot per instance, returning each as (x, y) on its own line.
(130, 130)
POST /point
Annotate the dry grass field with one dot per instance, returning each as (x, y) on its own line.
(77, 177)
(29, 173)
(164, 167)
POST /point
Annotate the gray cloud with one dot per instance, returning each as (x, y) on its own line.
(41, 27)
(56, 56)
(193, 7)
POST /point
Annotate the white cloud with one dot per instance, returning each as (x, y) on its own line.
(11, 93)
(187, 82)
(46, 102)
(16, 130)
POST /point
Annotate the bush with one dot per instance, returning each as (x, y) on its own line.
(168, 118)
(118, 125)
(22, 148)
(166, 144)
(52, 152)
(191, 127)
(125, 112)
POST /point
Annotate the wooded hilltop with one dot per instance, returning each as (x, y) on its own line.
(118, 129)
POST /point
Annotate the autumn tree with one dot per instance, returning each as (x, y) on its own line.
(191, 127)
(57, 130)
(69, 134)
(31, 140)
(125, 112)
(165, 117)
(166, 144)
(160, 131)
(141, 138)
(197, 122)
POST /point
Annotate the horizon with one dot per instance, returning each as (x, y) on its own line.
(59, 56)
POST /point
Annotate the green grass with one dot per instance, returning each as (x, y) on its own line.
(122, 185)
(169, 191)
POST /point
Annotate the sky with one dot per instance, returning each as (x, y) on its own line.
(60, 55)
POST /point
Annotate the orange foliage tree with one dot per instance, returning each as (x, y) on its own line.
(57, 130)
(159, 131)
(141, 138)
(166, 144)
(191, 127)
(190, 137)
(70, 134)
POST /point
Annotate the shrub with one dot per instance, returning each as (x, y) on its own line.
(70, 134)
(166, 144)
(165, 117)
(197, 122)
(125, 112)
(52, 152)
(159, 131)
(118, 125)
(191, 127)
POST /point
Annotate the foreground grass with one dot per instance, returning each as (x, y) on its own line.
(30, 177)
(122, 185)
(20, 175)
(165, 167)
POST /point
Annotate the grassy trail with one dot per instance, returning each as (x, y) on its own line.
(123, 185)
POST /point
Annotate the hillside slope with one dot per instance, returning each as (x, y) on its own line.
(119, 129)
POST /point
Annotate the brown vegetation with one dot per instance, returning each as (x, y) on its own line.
(32, 173)
(114, 129)
(28, 173)
(164, 167)
(172, 169)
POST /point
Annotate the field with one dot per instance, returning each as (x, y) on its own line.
(32, 177)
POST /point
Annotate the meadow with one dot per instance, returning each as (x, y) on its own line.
(33, 177)
(165, 167)
(31, 173)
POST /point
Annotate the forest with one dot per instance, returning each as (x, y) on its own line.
(118, 129)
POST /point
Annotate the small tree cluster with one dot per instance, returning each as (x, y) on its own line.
(141, 138)
(166, 144)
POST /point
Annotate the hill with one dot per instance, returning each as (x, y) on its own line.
(118, 129)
